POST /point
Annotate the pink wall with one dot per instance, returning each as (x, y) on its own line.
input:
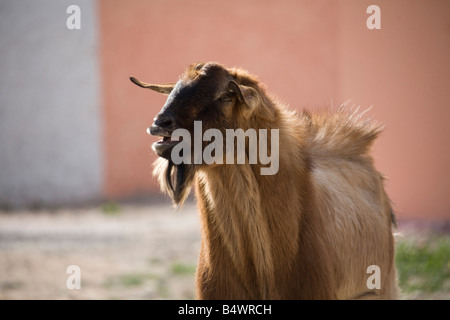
(288, 44)
(308, 53)
(404, 71)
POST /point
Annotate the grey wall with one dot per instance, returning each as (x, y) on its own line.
(50, 129)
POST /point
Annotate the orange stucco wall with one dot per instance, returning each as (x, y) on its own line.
(308, 53)
(404, 71)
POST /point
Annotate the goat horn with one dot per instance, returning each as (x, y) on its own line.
(161, 88)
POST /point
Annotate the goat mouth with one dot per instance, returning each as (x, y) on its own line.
(164, 146)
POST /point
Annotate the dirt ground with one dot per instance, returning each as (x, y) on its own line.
(127, 251)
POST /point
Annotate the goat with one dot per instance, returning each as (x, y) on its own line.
(311, 230)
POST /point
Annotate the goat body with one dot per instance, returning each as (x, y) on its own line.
(311, 230)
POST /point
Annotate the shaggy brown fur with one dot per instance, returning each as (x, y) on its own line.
(308, 232)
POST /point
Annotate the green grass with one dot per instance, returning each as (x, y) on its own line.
(129, 280)
(183, 269)
(424, 265)
(110, 208)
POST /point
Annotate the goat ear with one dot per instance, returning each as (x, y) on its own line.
(161, 88)
(253, 100)
(245, 95)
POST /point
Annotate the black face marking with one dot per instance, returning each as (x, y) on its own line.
(200, 95)
(198, 99)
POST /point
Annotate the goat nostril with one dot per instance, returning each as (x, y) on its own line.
(164, 121)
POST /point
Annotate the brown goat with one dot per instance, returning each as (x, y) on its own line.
(311, 230)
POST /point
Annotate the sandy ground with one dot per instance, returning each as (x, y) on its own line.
(137, 252)
(130, 251)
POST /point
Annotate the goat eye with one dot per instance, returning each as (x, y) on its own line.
(227, 97)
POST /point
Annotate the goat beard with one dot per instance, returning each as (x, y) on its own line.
(174, 180)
